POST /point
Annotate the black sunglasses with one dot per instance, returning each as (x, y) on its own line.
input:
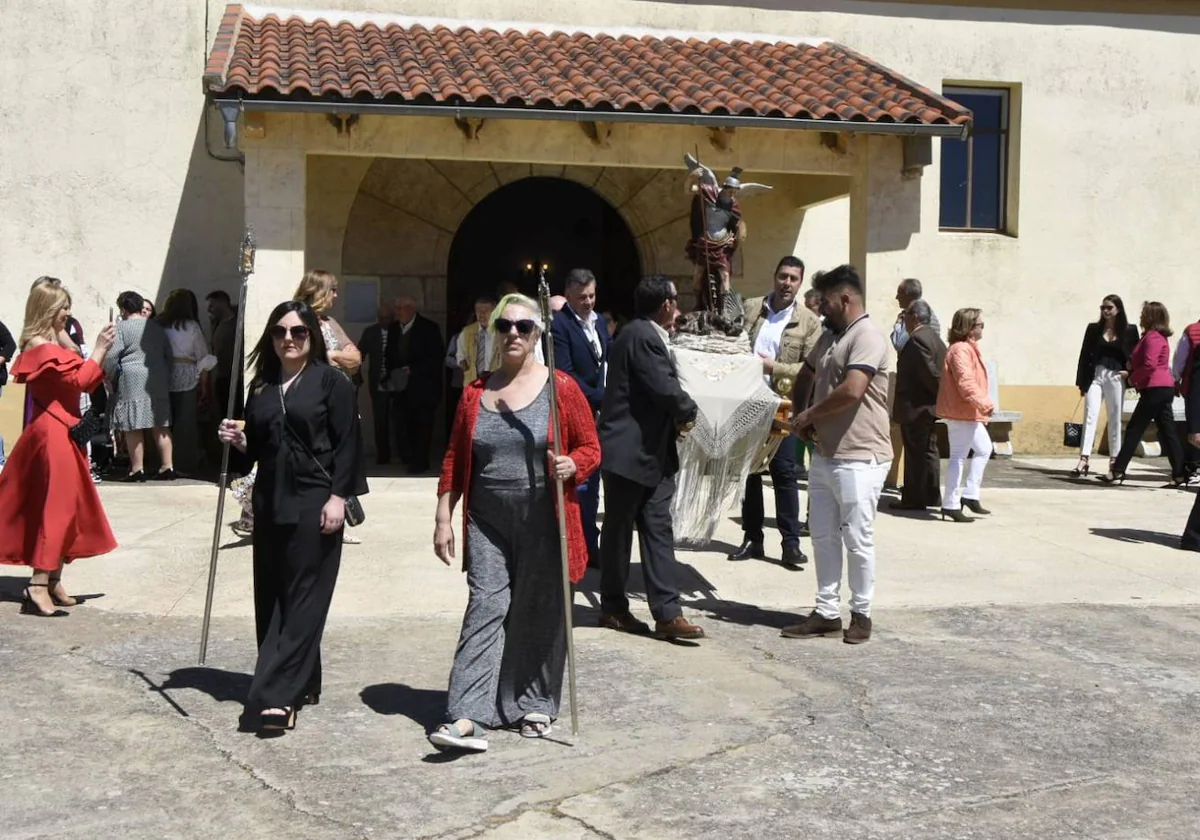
(280, 332)
(524, 326)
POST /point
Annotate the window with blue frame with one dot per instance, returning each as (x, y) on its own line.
(975, 170)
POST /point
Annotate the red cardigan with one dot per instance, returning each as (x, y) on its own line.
(580, 444)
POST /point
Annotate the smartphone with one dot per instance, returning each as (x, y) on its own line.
(111, 319)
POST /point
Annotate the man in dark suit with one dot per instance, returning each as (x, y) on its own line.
(414, 364)
(581, 349)
(644, 410)
(373, 347)
(918, 374)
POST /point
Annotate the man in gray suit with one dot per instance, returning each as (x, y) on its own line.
(918, 375)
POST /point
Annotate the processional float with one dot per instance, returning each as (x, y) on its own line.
(742, 421)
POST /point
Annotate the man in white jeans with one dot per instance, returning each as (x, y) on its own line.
(841, 400)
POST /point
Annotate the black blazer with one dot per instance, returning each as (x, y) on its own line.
(1087, 353)
(573, 353)
(643, 406)
(423, 354)
(370, 345)
(918, 375)
(323, 416)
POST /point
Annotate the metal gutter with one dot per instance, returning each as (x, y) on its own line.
(661, 118)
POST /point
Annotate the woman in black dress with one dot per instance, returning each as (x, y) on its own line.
(302, 430)
(1100, 376)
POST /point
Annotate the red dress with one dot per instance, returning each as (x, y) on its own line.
(49, 508)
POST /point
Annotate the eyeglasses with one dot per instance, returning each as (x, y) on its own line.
(524, 326)
(280, 333)
(1108, 308)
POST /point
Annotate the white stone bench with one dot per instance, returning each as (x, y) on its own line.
(1151, 448)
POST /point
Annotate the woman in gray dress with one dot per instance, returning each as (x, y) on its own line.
(508, 667)
(139, 365)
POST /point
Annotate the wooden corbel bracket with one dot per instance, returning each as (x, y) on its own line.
(469, 126)
(598, 132)
(721, 138)
(342, 122)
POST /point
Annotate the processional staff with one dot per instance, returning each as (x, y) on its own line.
(245, 268)
(568, 597)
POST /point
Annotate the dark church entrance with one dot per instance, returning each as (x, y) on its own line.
(539, 221)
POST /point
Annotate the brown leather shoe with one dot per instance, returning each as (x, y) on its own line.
(859, 630)
(678, 628)
(624, 623)
(814, 624)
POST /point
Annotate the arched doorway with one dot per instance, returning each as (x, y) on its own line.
(541, 220)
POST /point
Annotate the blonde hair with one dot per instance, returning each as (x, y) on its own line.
(42, 306)
(963, 323)
(316, 289)
(516, 299)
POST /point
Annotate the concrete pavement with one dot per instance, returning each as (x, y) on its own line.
(1032, 674)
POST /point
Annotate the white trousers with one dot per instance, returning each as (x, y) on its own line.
(965, 436)
(843, 498)
(1107, 384)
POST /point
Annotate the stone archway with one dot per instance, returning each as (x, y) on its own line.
(407, 212)
(541, 221)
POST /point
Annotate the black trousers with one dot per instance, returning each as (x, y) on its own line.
(382, 406)
(1154, 404)
(628, 504)
(295, 569)
(922, 464)
(1191, 532)
(787, 498)
(412, 424)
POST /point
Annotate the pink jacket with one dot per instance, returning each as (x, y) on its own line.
(1150, 364)
(963, 393)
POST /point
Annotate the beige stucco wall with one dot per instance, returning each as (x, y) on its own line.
(109, 186)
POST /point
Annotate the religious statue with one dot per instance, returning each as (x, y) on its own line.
(717, 229)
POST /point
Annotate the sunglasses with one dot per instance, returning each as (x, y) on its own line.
(280, 333)
(524, 326)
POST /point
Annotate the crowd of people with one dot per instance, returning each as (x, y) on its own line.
(621, 410)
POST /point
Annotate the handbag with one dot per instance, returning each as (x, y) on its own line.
(355, 515)
(1072, 431)
(90, 424)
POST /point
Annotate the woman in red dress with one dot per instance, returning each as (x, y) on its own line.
(52, 513)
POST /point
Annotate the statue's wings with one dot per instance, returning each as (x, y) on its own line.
(695, 167)
(749, 190)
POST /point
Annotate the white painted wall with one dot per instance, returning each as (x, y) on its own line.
(105, 184)
(104, 178)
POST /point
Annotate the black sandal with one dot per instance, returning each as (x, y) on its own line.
(61, 602)
(30, 607)
(278, 719)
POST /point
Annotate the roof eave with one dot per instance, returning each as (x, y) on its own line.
(957, 131)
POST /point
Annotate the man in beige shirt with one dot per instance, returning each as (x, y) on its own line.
(840, 400)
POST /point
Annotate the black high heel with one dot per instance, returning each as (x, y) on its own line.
(30, 607)
(1112, 478)
(974, 506)
(60, 602)
(276, 721)
(312, 698)
(1081, 470)
(955, 516)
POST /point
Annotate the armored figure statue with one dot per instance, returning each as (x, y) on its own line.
(717, 230)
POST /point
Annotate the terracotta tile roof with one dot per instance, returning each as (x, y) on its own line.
(271, 55)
